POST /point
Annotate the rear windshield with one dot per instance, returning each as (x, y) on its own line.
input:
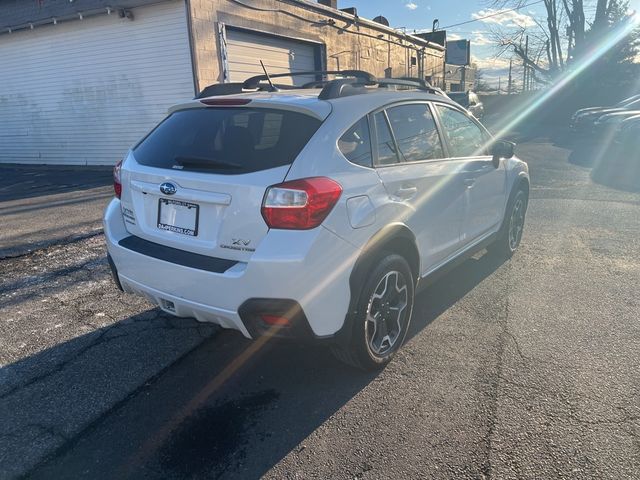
(227, 140)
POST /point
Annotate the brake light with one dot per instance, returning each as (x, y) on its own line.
(226, 102)
(117, 183)
(300, 204)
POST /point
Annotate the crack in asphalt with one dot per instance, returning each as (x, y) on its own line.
(102, 338)
(70, 442)
(38, 426)
(45, 245)
(35, 280)
(503, 321)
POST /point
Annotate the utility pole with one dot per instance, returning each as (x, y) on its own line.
(509, 88)
(526, 67)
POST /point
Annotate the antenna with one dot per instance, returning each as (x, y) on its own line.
(273, 87)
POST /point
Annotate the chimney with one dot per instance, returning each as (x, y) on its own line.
(329, 3)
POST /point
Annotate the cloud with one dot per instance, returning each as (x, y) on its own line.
(491, 63)
(453, 36)
(411, 5)
(504, 18)
(480, 39)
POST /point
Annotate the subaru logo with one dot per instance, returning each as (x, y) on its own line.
(168, 188)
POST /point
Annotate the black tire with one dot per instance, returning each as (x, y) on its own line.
(508, 240)
(388, 332)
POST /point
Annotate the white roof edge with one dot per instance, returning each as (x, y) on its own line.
(367, 22)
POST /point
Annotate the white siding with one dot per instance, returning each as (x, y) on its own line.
(280, 55)
(83, 91)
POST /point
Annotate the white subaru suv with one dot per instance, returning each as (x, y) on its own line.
(311, 213)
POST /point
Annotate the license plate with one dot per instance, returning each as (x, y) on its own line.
(179, 217)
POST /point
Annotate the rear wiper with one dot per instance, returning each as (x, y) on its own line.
(201, 162)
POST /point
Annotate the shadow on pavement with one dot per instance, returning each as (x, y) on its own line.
(48, 398)
(29, 181)
(610, 166)
(234, 408)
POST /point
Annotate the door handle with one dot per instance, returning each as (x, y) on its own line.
(406, 193)
(469, 182)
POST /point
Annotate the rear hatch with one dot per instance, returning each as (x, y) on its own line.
(197, 181)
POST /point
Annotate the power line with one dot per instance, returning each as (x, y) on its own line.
(501, 12)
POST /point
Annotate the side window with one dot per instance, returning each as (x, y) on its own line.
(355, 144)
(466, 138)
(386, 148)
(415, 132)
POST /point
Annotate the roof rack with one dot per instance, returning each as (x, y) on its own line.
(355, 83)
(409, 83)
(253, 82)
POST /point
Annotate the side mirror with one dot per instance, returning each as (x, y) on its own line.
(503, 149)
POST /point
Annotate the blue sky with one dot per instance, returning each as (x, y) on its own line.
(419, 15)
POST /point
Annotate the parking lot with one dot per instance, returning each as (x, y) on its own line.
(527, 368)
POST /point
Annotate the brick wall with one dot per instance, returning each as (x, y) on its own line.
(349, 44)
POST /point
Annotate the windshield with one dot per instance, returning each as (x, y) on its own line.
(226, 140)
(633, 104)
(458, 96)
(628, 101)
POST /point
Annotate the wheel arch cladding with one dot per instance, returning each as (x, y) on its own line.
(396, 239)
(522, 183)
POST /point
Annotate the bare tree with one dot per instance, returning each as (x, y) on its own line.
(481, 84)
(558, 39)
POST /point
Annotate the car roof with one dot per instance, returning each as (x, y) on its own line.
(307, 101)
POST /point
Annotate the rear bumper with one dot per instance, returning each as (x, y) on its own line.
(310, 268)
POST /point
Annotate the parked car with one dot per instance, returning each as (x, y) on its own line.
(621, 164)
(621, 104)
(606, 126)
(470, 101)
(312, 214)
(627, 138)
(583, 120)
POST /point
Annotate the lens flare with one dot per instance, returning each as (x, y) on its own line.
(200, 397)
(610, 40)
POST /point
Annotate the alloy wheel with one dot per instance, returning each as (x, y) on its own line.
(386, 313)
(516, 223)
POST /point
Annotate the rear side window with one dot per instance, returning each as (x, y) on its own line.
(415, 131)
(355, 144)
(227, 140)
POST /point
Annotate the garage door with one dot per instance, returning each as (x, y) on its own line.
(83, 91)
(280, 55)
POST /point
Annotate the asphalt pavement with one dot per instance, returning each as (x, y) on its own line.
(520, 369)
(43, 205)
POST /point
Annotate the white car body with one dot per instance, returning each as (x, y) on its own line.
(447, 207)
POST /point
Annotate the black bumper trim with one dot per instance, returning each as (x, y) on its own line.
(114, 273)
(298, 329)
(176, 256)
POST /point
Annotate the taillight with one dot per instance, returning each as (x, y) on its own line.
(117, 183)
(300, 204)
